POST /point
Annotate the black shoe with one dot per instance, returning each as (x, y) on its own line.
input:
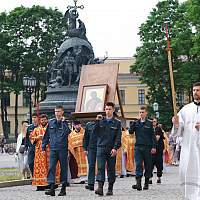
(62, 192)
(146, 187)
(159, 181)
(99, 190)
(41, 188)
(49, 187)
(82, 182)
(89, 187)
(150, 182)
(136, 187)
(67, 184)
(146, 184)
(109, 193)
(121, 176)
(50, 192)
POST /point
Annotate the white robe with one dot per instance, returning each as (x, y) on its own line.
(190, 152)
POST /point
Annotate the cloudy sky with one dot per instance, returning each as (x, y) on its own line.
(112, 25)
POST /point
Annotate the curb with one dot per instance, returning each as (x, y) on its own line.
(15, 183)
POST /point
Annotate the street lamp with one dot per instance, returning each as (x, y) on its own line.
(29, 84)
(155, 109)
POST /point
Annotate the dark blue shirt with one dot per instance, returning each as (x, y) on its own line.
(90, 138)
(144, 133)
(108, 133)
(56, 134)
(30, 129)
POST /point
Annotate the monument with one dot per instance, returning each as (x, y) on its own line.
(64, 71)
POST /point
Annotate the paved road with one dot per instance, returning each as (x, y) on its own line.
(168, 190)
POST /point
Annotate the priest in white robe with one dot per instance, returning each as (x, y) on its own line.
(187, 125)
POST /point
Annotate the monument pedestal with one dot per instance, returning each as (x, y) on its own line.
(65, 96)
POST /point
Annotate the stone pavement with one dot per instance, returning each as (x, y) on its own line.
(168, 190)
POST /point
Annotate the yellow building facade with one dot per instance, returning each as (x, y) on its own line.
(132, 94)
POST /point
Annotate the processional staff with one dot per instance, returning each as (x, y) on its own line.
(169, 50)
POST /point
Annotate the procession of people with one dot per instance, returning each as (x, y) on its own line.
(62, 153)
(55, 151)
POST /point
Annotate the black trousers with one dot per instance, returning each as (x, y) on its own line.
(103, 158)
(157, 160)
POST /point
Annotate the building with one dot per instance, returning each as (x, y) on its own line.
(132, 94)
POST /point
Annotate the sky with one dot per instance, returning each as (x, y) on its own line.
(112, 25)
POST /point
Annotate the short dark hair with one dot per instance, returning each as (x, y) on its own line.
(34, 115)
(110, 104)
(143, 108)
(196, 84)
(24, 121)
(59, 107)
(44, 116)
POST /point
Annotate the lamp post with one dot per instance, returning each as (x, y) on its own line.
(29, 84)
(155, 109)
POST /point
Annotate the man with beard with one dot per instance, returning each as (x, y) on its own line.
(76, 142)
(40, 161)
(187, 125)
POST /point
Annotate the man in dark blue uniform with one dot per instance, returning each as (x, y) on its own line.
(90, 149)
(29, 146)
(108, 131)
(57, 135)
(145, 146)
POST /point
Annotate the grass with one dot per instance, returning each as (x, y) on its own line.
(9, 174)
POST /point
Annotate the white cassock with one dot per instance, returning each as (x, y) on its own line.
(189, 167)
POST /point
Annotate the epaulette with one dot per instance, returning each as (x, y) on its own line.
(117, 120)
(52, 119)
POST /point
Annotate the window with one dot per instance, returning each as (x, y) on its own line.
(141, 96)
(122, 96)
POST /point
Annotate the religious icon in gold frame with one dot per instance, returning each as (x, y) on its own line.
(93, 98)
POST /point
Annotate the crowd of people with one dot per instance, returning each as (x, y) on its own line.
(54, 153)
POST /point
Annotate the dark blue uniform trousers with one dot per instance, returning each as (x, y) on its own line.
(62, 157)
(143, 156)
(103, 157)
(31, 157)
(92, 154)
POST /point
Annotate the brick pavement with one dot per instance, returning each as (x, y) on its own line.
(168, 190)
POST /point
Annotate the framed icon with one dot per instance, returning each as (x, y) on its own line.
(93, 98)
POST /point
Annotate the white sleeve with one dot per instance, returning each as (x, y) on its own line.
(178, 131)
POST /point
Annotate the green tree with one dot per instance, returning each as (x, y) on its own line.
(151, 56)
(35, 35)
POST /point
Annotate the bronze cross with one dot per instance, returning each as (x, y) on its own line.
(75, 7)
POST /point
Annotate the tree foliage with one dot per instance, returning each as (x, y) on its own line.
(151, 56)
(29, 39)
